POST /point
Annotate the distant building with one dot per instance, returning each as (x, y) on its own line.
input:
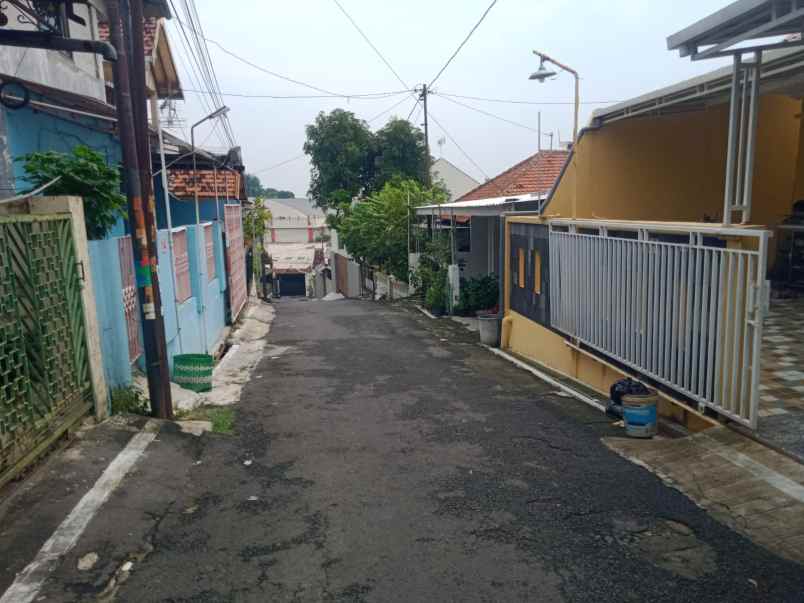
(456, 181)
(295, 221)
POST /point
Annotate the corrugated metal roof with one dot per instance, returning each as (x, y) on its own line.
(478, 207)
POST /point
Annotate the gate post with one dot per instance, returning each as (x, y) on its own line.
(75, 207)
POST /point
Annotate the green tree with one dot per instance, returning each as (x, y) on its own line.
(273, 193)
(340, 149)
(254, 188)
(375, 230)
(84, 173)
(399, 152)
(254, 220)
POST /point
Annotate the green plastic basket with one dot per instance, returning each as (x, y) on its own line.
(193, 371)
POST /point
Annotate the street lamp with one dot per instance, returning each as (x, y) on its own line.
(544, 74)
(217, 113)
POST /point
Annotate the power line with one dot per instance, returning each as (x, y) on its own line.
(364, 96)
(214, 76)
(522, 102)
(280, 164)
(388, 110)
(416, 104)
(369, 42)
(195, 69)
(273, 73)
(460, 148)
(465, 40)
(206, 65)
(482, 112)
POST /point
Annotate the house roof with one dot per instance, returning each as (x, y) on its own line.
(740, 21)
(456, 181)
(482, 207)
(537, 174)
(294, 258)
(294, 213)
(298, 204)
(782, 73)
(164, 75)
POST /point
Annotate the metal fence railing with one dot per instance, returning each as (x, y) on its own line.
(678, 305)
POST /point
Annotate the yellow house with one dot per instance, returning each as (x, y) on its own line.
(652, 255)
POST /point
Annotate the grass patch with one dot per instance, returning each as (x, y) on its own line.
(221, 417)
(129, 400)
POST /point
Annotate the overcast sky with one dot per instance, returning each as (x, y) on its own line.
(618, 47)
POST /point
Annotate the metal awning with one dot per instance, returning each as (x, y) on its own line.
(744, 21)
(494, 206)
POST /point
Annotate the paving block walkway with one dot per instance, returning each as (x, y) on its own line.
(781, 404)
(747, 486)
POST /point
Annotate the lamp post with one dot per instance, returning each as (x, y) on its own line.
(544, 73)
(215, 114)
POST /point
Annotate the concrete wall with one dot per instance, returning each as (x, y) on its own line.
(183, 321)
(29, 131)
(672, 167)
(79, 72)
(482, 257)
(182, 211)
(667, 168)
(105, 268)
(292, 235)
(352, 274)
(798, 189)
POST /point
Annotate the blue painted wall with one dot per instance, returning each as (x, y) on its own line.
(108, 285)
(182, 211)
(183, 322)
(30, 131)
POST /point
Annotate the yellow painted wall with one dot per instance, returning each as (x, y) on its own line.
(798, 188)
(672, 167)
(534, 342)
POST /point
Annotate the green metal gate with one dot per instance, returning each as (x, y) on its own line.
(45, 384)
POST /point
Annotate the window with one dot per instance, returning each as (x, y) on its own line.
(463, 239)
(209, 244)
(521, 274)
(537, 272)
(181, 261)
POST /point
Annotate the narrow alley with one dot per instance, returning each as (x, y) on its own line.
(397, 460)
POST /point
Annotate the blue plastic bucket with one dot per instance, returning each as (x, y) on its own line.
(639, 416)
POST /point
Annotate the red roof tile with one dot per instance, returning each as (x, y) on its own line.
(536, 174)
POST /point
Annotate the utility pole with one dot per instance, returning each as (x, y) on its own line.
(423, 97)
(161, 367)
(146, 264)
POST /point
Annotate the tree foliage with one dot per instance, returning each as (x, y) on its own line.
(254, 188)
(375, 230)
(254, 220)
(83, 173)
(350, 161)
(399, 152)
(340, 149)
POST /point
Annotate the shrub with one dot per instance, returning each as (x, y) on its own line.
(478, 293)
(84, 173)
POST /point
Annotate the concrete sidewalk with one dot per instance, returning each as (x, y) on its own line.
(749, 487)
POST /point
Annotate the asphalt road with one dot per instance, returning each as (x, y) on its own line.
(383, 456)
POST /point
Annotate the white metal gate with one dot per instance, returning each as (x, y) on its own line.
(687, 314)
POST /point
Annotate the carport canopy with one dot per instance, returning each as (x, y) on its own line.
(742, 26)
(494, 206)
